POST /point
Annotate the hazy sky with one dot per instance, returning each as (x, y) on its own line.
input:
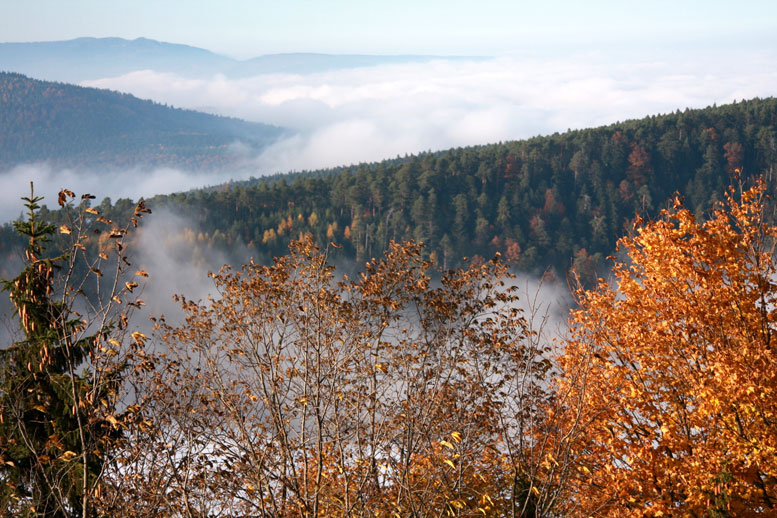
(246, 28)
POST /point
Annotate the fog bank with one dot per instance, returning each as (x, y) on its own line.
(348, 116)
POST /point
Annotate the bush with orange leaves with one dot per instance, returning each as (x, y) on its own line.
(293, 394)
(680, 399)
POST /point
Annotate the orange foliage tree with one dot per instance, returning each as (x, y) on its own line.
(680, 399)
(293, 394)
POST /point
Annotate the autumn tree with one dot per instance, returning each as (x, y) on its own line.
(680, 405)
(60, 379)
(294, 394)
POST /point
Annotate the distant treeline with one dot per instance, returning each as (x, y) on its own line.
(547, 202)
(73, 126)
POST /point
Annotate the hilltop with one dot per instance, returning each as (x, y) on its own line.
(84, 59)
(73, 126)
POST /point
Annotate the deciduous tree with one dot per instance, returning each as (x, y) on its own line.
(680, 402)
(292, 394)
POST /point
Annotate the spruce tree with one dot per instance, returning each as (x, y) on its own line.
(49, 447)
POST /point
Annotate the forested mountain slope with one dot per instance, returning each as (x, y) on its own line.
(553, 201)
(69, 125)
(546, 201)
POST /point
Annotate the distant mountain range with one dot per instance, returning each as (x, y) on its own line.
(73, 126)
(85, 59)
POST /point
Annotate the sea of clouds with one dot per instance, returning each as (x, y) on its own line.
(365, 114)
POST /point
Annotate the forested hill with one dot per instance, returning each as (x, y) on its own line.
(545, 202)
(84, 59)
(71, 126)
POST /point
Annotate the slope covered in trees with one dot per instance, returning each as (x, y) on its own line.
(70, 125)
(556, 201)
(547, 201)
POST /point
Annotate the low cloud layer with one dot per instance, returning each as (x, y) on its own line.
(165, 248)
(133, 184)
(365, 114)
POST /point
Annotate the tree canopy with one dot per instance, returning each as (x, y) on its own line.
(61, 380)
(681, 394)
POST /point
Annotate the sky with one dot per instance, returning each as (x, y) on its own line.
(246, 28)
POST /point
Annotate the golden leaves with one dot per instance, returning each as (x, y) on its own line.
(68, 455)
(64, 196)
(346, 382)
(678, 349)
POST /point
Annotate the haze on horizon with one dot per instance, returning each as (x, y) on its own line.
(247, 28)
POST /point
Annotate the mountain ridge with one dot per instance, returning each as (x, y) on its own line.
(88, 58)
(69, 126)
(547, 203)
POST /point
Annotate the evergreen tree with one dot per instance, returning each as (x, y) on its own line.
(39, 415)
(59, 381)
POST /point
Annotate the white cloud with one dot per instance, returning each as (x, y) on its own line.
(346, 116)
(133, 184)
(176, 263)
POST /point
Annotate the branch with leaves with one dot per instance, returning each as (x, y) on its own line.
(681, 392)
(295, 394)
(61, 380)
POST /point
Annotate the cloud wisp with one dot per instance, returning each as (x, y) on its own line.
(134, 184)
(365, 114)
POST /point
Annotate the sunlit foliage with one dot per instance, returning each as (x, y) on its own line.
(293, 394)
(680, 402)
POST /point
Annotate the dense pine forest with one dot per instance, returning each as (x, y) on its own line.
(556, 201)
(73, 126)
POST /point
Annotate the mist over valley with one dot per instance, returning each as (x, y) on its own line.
(131, 129)
(354, 259)
(320, 111)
